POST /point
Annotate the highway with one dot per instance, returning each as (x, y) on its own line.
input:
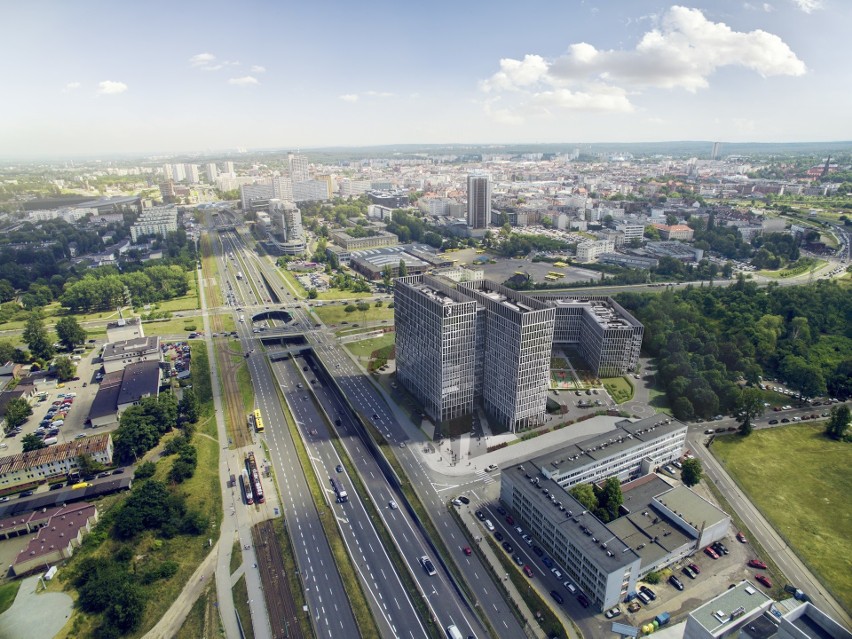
(326, 597)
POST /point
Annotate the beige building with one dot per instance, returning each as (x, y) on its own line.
(59, 532)
(37, 466)
(117, 355)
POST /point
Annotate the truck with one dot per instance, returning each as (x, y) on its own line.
(50, 441)
(663, 618)
(239, 275)
(337, 486)
(242, 319)
(453, 632)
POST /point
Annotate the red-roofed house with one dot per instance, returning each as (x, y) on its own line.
(56, 538)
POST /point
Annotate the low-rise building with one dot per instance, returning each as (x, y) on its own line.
(59, 532)
(117, 355)
(589, 251)
(121, 389)
(376, 239)
(38, 465)
(675, 232)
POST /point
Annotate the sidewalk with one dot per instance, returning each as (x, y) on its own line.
(532, 628)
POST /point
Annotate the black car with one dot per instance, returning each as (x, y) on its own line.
(773, 421)
(501, 510)
(464, 499)
(517, 559)
(56, 486)
(584, 601)
(720, 548)
(339, 468)
(650, 593)
(26, 493)
(538, 551)
(677, 583)
(480, 515)
(498, 535)
(557, 597)
(509, 548)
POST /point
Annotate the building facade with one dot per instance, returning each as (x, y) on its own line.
(53, 461)
(478, 201)
(159, 220)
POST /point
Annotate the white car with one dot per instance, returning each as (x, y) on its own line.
(392, 505)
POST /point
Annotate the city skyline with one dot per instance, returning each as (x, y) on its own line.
(261, 75)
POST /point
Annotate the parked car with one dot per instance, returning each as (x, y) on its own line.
(694, 567)
(720, 548)
(557, 597)
(528, 571)
(677, 583)
(612, 612)
(480, 515)
(711, 553)
(517, 559)
(689, 572)
(509, 548)
(583, 601)
(763, 579)
(756, 563)
(538, 551)
(651, 594)
(741, 538)
(498, 535)
(547, 561)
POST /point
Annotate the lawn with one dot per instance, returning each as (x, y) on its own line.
(8, 592)
(335, 314)
(800, 481)
(365, 347)
(173, 326)
(619, 388)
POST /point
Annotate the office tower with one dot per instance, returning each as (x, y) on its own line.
(298, 168)
(717, 150)
(212, 172)
(287, 221)
(478, 201)
(435, 346)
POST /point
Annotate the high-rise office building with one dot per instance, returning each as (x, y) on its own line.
(478, 200)
(212, 172)
(504, 342)
(717, 151)
(287, 220)
(298, 167)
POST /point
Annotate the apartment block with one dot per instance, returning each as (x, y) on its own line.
(159, 220)
(589, 251)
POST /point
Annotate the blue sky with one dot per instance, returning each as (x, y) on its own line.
(122, 77)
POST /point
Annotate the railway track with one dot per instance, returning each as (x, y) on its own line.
(283, 615)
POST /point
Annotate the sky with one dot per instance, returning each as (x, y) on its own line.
(90, 77)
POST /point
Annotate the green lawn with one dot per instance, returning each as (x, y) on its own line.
(173, 326)
(335, 314)
(801, 482)
(367, 346)
(619, 388)
(8, 592)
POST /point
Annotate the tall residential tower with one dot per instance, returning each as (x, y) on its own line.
(478, 200)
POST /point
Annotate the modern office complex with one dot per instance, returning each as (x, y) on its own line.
(478, 200)
(502, 346)
(512, 341)
(287, 221)
(656, 526)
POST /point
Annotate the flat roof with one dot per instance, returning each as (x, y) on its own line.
(694, 510)
(579, 526)
(139, 379)
(716, 613)
(129, 347)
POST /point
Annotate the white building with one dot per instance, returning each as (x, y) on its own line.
(158, 220)
(212, 172)
(53, 461)
(249, 193)
(589, 251)
(191, 172)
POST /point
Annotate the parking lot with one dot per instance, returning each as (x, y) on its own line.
(83, 392)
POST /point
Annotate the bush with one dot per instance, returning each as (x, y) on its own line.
(653, 577)
(145, 470)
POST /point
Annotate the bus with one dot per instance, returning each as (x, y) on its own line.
(560, 264)
(480, 251)
(258, 421)
(551, 278)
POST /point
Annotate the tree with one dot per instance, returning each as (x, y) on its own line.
(610, 497)
(749, 406)
(87, 466)
(65, 368)
(17, 411)
(70, 332)
(32, 442)
(838, 422)
(403, 269)
(691, 472)
(35, 336)
(387, 276)
(312, 293)
(585, 494)
(189, 405)
(7, 352)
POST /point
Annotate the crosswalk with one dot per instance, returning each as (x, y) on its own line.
(485, 478)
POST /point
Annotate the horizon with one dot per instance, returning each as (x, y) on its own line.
(634, 71)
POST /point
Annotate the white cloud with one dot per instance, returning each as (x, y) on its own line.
(808, 5)
(244, 81)
(110, 87)
(256, 68)
(682, 51)
(202, 60)
(379, 94)
(349, 97)
(72, 86)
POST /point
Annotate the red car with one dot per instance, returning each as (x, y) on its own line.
(695, 568)
(756, 563)
(467, 550)
(741, 538)
(510, 520)
(764, 580)
(528, 571)
(712, 553)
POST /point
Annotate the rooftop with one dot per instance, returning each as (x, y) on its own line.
(140, 379)
(58, 452)
(106, 399)
(129, 347)
(724, 609)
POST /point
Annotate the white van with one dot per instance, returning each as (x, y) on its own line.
(453, 632)
(570, 587)
(489, 525)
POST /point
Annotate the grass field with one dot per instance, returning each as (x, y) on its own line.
(203, 618)
(801, 482)
(241, 604)
(367, 346)
(335, 314)
(173, 326)
(8, 592)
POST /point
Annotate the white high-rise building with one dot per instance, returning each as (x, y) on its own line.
(287, 220)
(282, 188)
(478, 200)
(191, 172)
(298, 167)
(229, 168)
(212, 172)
